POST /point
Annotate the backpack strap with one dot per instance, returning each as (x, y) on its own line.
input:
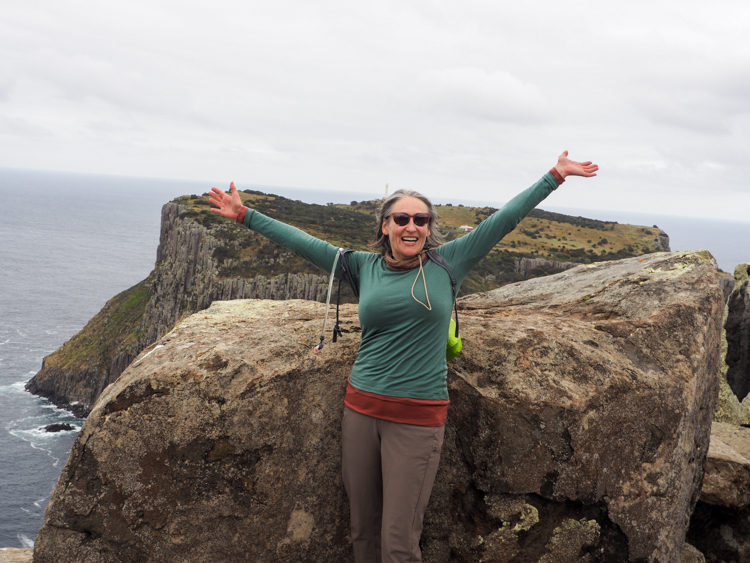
(347, 274)
(435, 257)
(345, 271)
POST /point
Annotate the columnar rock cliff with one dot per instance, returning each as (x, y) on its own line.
(186, 279)
(578, 429)
(526, 266)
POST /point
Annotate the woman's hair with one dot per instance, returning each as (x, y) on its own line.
(381, 242)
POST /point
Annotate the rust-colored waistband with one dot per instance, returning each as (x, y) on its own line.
(420, 412)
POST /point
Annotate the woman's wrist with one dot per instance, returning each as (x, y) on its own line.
(241, 215)
(559, 176)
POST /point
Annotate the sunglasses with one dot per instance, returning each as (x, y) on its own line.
(402, 219)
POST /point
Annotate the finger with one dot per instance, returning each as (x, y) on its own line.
(231, 187)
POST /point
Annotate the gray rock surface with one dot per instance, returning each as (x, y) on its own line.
(692, 555)
(727, 479)
(727, 286)
(578, 429)
(662, 242)
(14, 555)
(720, 526)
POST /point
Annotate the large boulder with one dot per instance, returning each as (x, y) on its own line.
(578, 429)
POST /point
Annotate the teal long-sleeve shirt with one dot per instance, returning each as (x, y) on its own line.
(402, 353)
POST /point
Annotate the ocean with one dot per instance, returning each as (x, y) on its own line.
(72, 241)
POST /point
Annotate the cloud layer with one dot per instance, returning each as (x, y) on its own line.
(473, 98)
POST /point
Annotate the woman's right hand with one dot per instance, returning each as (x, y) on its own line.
(228, 205)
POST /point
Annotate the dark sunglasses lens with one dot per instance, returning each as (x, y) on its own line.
(421, 219)
(402, 219)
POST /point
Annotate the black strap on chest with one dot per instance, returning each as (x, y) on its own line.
(347, 274)
(435, 257)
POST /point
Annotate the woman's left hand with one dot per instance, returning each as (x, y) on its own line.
(567, 167)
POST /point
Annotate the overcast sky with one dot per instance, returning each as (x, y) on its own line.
(472, 98)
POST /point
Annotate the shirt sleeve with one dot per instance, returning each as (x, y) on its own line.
(465, 252)
(314, 250)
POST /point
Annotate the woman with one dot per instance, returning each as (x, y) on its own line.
(397, 397)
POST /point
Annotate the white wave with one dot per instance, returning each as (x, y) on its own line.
(25, 541)
(31, 429)
(17, 387)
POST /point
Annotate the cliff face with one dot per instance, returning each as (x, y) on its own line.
(187, 278)
(738, 334)
(530, 266)
(734, 405)
(578, 429)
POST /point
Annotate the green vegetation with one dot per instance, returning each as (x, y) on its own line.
(338, 224)
(114, 328)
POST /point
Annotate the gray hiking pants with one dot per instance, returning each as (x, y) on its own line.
(389, 469)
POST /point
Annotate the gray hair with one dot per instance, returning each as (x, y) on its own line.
(381, 242)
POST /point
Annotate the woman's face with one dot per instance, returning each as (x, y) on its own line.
(407, 241)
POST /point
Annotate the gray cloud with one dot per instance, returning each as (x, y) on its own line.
(434, 95)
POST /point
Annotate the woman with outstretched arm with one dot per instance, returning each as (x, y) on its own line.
(397, 396)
